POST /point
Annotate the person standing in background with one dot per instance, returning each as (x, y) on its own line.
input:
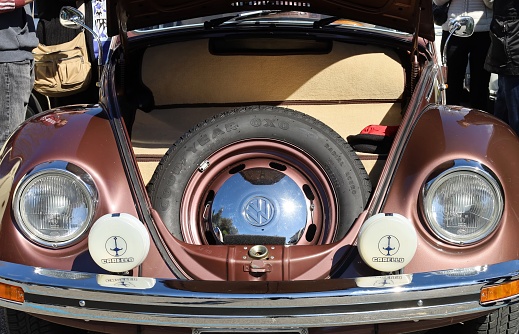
(503, 59)
(17, 40)
(468, 50)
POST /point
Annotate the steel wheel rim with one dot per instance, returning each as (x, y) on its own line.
(256, 155)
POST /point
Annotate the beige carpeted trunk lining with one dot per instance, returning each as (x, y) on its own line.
(186, 72)
(327, 87)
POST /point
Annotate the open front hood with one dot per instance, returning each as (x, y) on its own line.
(405, 15)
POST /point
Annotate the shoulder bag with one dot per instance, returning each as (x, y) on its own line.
(62, 69)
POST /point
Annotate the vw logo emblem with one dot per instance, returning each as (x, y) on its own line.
(115, 246)
(259, 211)
(389, 245)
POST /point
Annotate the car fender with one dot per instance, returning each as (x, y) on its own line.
(81, 135)
(442, 135)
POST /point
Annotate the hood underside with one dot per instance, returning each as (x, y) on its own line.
(402, 15)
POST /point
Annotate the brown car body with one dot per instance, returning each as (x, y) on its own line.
(199, 282)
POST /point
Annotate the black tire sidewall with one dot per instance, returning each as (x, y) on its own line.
(345, 172)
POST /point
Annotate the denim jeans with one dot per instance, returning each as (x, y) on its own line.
(507, 100)
(16, 81)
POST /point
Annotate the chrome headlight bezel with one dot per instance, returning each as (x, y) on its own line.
(467, 169)
(74, 175)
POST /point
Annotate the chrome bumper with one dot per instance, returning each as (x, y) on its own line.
(262, 305)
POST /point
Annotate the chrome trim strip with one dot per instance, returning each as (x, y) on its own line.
(337, 302)
(107, 95)
(411, 116)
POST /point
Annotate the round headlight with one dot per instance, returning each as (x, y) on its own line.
(463, 204)
(55, 203)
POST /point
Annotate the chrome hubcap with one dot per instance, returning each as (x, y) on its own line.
(260, 201)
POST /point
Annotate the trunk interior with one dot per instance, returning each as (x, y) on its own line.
(347, 86)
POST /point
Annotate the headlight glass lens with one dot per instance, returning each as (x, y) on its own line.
(463, 205)
(55, 206)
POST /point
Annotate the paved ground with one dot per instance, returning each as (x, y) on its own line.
(3, 326)
(454, 329)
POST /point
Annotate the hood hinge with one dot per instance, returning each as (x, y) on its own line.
(415, 66)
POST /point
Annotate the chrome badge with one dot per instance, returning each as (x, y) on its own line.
(259, 211)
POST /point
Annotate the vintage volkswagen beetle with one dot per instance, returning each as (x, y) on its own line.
(262, 166)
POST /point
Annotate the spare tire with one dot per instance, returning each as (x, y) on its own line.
(260, 175)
